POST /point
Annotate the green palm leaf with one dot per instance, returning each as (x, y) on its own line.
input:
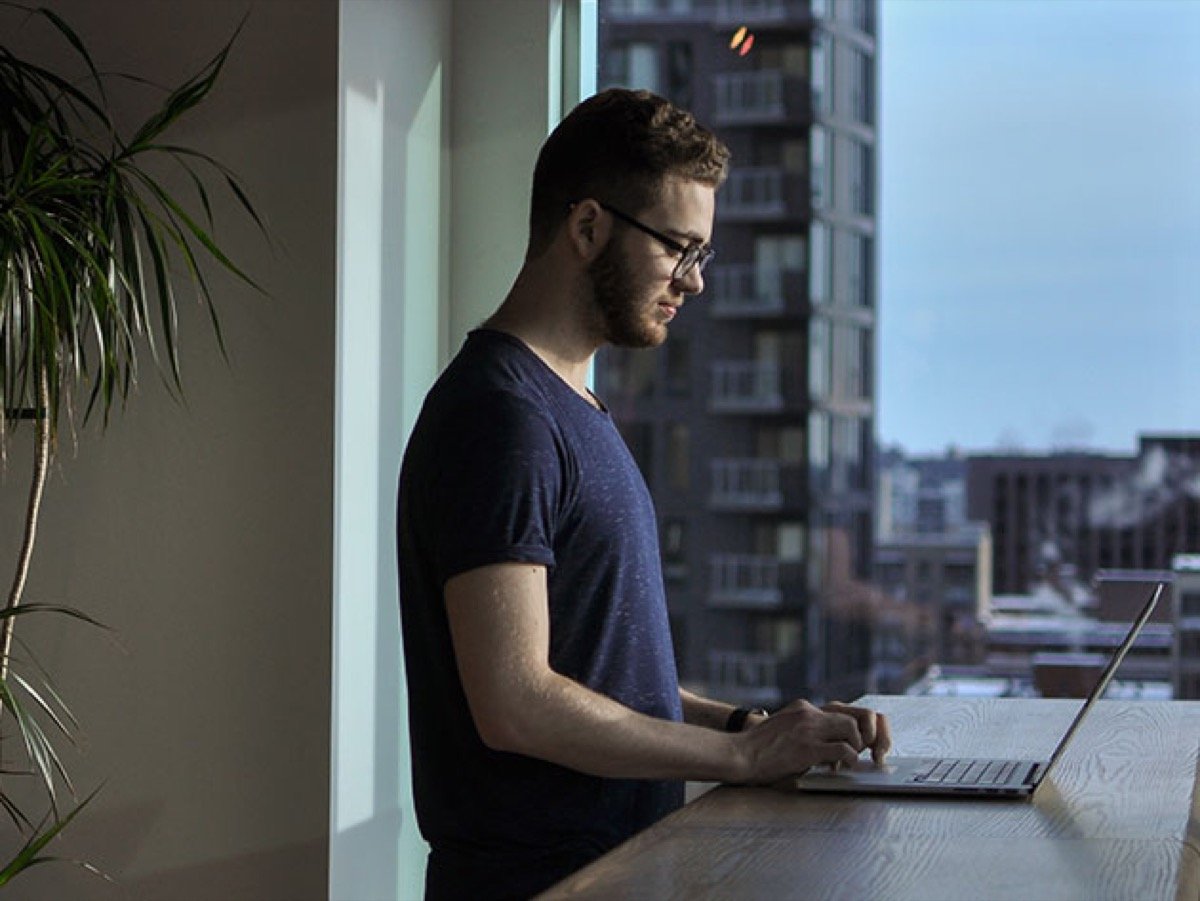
(92, 250)
(29, 853)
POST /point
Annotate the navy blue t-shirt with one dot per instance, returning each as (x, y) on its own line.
(508, 464)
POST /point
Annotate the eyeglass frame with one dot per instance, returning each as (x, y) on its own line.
(704, 253)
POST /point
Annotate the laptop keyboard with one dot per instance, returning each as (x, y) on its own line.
(966, 772)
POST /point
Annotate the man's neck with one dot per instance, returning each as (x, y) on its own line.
(545, 319)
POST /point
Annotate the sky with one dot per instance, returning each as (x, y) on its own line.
(1039, 283)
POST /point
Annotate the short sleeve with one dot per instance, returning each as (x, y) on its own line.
(495, 487)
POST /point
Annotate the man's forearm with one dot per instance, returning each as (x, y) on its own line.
(712, 714)
(500, 626)
(701, 711)
(568, 724)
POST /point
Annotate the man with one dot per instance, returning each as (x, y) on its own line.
(546, 717)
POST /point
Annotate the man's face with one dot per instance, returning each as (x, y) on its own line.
(632, 285)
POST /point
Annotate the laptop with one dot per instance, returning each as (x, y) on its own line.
(974, 777)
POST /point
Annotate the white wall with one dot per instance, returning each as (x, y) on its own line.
(242, 546)
(444, 106)
(392, 290)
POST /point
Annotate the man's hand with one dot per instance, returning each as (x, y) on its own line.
(872, 727)
(801, 736)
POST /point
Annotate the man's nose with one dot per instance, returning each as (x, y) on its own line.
(692, 282)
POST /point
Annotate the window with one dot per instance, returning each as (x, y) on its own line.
(818, 441)
(679, 366)
(818, 264)
(794, 156)
(862, 93)
(819, 354)
(820, 176)
(861, 167)
(849, 365)
(866, 341)
(790, 542)
(822, 75)
(679, 73)
(775, 255)
(858, 266)
(1189, 645)
(790, 444)
(846, 467)
(626, 373)
(678, 460)
(673, 537)
(636, 8)
(794, 59)
(782, 637)
(634, 65)
(639, 437)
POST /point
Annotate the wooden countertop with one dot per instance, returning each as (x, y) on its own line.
(1118, 819)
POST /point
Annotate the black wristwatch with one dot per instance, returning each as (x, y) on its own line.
(737, 719)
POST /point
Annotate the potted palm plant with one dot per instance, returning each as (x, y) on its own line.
(93, 246)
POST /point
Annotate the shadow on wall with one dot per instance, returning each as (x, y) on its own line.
(115, 835)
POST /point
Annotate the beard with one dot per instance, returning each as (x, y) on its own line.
(622, 307)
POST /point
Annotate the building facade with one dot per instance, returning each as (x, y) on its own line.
(1088, 511)
(919, 495)
(1051, 643)
(1187, 625)
(945, 575)
(754, 423)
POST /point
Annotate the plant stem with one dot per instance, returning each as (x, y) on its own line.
(41, 467)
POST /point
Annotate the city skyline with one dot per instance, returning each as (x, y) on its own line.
(1040, 224)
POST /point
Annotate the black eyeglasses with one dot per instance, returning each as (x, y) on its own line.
(692, 256)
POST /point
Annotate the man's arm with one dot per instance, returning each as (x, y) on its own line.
(499, 623)
(710, 714)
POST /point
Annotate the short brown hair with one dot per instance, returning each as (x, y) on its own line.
(619, 146)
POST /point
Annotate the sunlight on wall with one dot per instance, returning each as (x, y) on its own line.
(398, 323)
(391, 308)
(358, 551)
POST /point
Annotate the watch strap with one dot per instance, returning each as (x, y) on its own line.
(737, 719)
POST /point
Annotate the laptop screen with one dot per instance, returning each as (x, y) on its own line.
(1109, 671)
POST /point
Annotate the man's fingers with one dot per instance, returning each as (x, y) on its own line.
(838, 754)
(838, 726)
(872, 727)
(801, 735)
(883, 738)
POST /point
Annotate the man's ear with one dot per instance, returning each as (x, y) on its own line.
(588, 229)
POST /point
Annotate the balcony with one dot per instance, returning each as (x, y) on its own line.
(756, 485)
(764, 194)
(766, 97)
(744, 291)
(753, 582)
(959, 596)
(763, 13)
(746, 678)
(635, 10)
(747, 386)
(753, 386)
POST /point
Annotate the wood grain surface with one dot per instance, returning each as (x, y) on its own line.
(1118, 819)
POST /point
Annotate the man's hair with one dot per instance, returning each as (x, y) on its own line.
(619, 147)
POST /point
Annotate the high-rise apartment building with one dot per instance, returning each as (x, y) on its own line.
(754, 423)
